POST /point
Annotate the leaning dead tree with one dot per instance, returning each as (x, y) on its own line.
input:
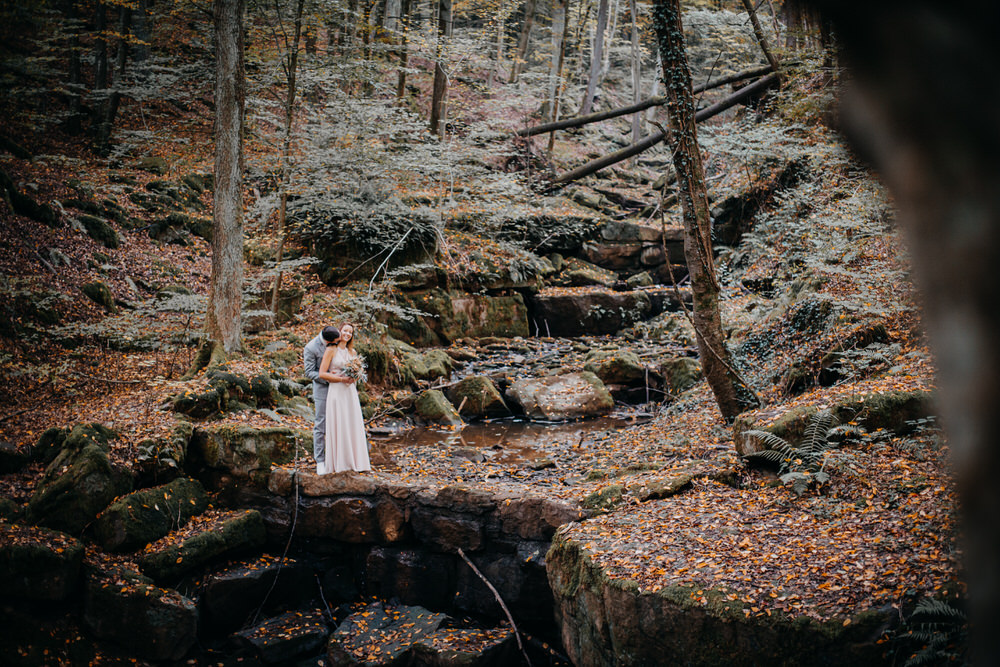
(739, 96)
(579, 121)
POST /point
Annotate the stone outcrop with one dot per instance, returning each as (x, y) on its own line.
(230, 597)
(377, 635)
(228, 535)
(561, 397)
(610, 621)
(37, 563)
(79, 482)
(594, 312)
(129, 609)
(631, 248)
(244, 453)
(452, 314)
(145, 516)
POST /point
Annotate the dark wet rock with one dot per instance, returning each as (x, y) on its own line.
(162, 459)
(100, 231)
(26, 205)
(446, 531)
(78, 484)
(562, 397)
(352, 520)
(609, 621)
(229, 535)
(381, 635)
(521, 584)
(37, 563)
(231, 597)
(10, 511)
(591, 313)
(477, 396)
(12, 458)
(100, 294)
(469, 647)
(412, 576)
(129, 609)
(145, 516)
(285, 638)
(433, 407)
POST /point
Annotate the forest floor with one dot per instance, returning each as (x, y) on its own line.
(880, 532)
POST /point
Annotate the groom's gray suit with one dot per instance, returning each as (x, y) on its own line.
(312, 355)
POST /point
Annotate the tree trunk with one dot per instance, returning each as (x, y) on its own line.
(759, 33)
(140, 28)
(101, 47)
(110, 111)
(498, 60)
(404, 49)
(291, 68)
(560, 57)
(225, 296)
(555, 65)
(522, 42)
(439, 98)
(906, 109)
(609, 40)
(636, 72)
(731, 394)
(75, 87)
(595, 57)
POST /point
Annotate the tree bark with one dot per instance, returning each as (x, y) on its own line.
(578, 121)
(74, 122)
(101, 47)
(522, 42)
(596, 54)
(636, 72)
(906, 109)
(291, 68)
(653, 139)
(223, 324)
(439, 97)
(560, 56)
(110, 109)
(759, 33)
(732, 396)
(404, 49)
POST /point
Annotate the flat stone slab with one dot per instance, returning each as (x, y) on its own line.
(208, 537)
(293, 635)
(38, 563)
(380, 634)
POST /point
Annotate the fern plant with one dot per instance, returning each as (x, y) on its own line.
(934, 634)
(804, 466)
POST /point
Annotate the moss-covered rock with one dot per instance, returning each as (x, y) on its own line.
(10, 512)
(612, 621)
(12, 459)
(145, 516)
(433, 407)
(246, 453)
(100, 231)
(100, 294)
(680, 374)
(37, 563)
(162, 459)
(126, 607)
(49, 443)
(616, 366)
(153, 164)
(78, 484)
(235, 533)
(477, 396)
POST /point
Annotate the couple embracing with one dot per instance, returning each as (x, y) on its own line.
(339, 441)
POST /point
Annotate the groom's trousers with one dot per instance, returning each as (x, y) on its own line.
(320, 390)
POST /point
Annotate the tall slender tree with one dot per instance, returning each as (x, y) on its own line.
(731, 393)
(223, 320)
(522, 42)
(596, 55)
(439, 96)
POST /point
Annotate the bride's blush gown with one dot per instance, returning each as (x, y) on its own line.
(346, 444)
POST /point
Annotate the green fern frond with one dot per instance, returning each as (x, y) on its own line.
(769, 455)
(771, 441)
(930, 608)
(816, 436)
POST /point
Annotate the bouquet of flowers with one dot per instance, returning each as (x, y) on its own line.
(357, 369)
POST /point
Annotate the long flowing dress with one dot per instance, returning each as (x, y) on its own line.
(346, 444)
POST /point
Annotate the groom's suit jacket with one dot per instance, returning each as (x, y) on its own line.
(312, 355)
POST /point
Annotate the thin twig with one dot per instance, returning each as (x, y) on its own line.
(503, 606)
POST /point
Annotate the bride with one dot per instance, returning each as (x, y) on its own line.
(346, 444)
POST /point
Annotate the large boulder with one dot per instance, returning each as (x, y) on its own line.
(245, 452)
(154, 623)
(78, 484)
(616, 366)
(12, 459)
(593, 312)
(470, 647)
(477, 396)
(162, 459)
(145, 516)
(680, 374)
(377, 635)
(225, 534)
(562, 397)
(610, 620)
(452, 314)
(231, 596)
(37, 563)
(288, 637)
(433, 407)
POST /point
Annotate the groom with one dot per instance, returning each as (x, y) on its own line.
(312, 355)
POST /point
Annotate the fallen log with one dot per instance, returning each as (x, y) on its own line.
(740, 95)
(579, 121)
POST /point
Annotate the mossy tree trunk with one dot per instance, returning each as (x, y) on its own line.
(731, 394)
(223, 324)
